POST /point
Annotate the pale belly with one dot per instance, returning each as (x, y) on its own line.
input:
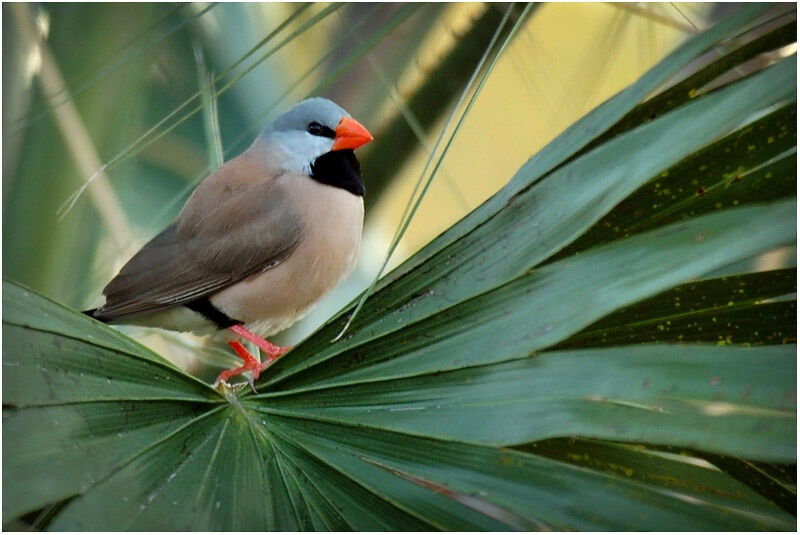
(271, 301)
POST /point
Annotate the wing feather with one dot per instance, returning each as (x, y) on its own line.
(225, 234)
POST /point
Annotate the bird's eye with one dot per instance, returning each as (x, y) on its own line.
(316, 129)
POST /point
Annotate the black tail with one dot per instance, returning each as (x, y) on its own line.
(91, 313)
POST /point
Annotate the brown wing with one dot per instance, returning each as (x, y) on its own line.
(228, 231)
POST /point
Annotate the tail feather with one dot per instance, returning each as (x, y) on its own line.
(91, 312)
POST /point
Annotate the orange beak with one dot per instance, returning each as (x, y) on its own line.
(350, 135)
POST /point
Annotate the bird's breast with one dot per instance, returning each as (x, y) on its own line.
(332, 220)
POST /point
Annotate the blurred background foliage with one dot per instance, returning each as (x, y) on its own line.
(121, 93)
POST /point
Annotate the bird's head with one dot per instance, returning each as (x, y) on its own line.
(311, 129)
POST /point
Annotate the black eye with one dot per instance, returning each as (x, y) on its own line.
(316, 129)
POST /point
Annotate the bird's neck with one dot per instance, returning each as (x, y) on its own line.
(339, 169)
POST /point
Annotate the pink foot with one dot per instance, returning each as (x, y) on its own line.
(251, 364)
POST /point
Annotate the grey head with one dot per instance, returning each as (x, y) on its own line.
(304, 133)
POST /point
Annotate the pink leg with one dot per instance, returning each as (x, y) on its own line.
(251, 364)
(270, 349)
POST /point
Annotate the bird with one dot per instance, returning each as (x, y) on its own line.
(258, 243)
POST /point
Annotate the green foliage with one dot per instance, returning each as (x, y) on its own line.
(562, 358)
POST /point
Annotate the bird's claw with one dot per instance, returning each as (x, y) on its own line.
(251, 364)
(252, 382)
